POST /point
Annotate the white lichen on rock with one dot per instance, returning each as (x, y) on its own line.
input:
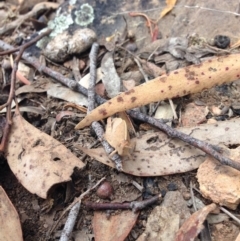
(60, 23)
(85, 15)
(60, 43)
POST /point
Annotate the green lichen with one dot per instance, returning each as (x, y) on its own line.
(60, 23)
(85, 15)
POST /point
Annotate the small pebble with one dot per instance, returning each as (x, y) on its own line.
(131, 35)
(224, 110)
(105, 190)
(186, 195)
(211, 121)
(236, 108)
(221, 41)
(230, 112)
(172, 187)
(18, 40)
(216, 111)
(45, 225)
(199, 103)
(221, 117)
(163, 192)
(132, 47)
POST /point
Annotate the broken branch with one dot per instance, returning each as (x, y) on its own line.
(135, 205)
(97, 127)
(207, 148)
(11, 95)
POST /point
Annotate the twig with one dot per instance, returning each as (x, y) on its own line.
(38, 7)
(204, 146)
(26, 45)
(149, 21)
(192, 197)
(141, 70)
(230, 215)
(11, 95)
(97, 127)
(68, 227)
(135, 205)
(74, 205)
(223, 209)
(173, 109)
(93, 76)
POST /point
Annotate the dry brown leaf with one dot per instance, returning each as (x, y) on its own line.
(193, 226)
(115, 228)
(189, 80)
(156, 154)
(118, 137)
(9, 219)
(42, 85)
(168, 8)
(21, 18)
(38, 160)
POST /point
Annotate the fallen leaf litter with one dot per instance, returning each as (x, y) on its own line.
(221, 68)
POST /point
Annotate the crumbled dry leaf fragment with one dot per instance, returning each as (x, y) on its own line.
(9, 219)
(38, 160)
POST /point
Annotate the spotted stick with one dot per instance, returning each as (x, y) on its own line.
(191, 79)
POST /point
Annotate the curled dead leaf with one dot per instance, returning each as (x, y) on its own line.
(118, 137)
(193, 226)
(38, 160)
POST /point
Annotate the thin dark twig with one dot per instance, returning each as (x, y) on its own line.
(6, 130)
(204, 146)
(97, 127)
(11, 95)
(26, 45)
(77, 200)
(223, 209)
(135, 205)
(93, 77)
